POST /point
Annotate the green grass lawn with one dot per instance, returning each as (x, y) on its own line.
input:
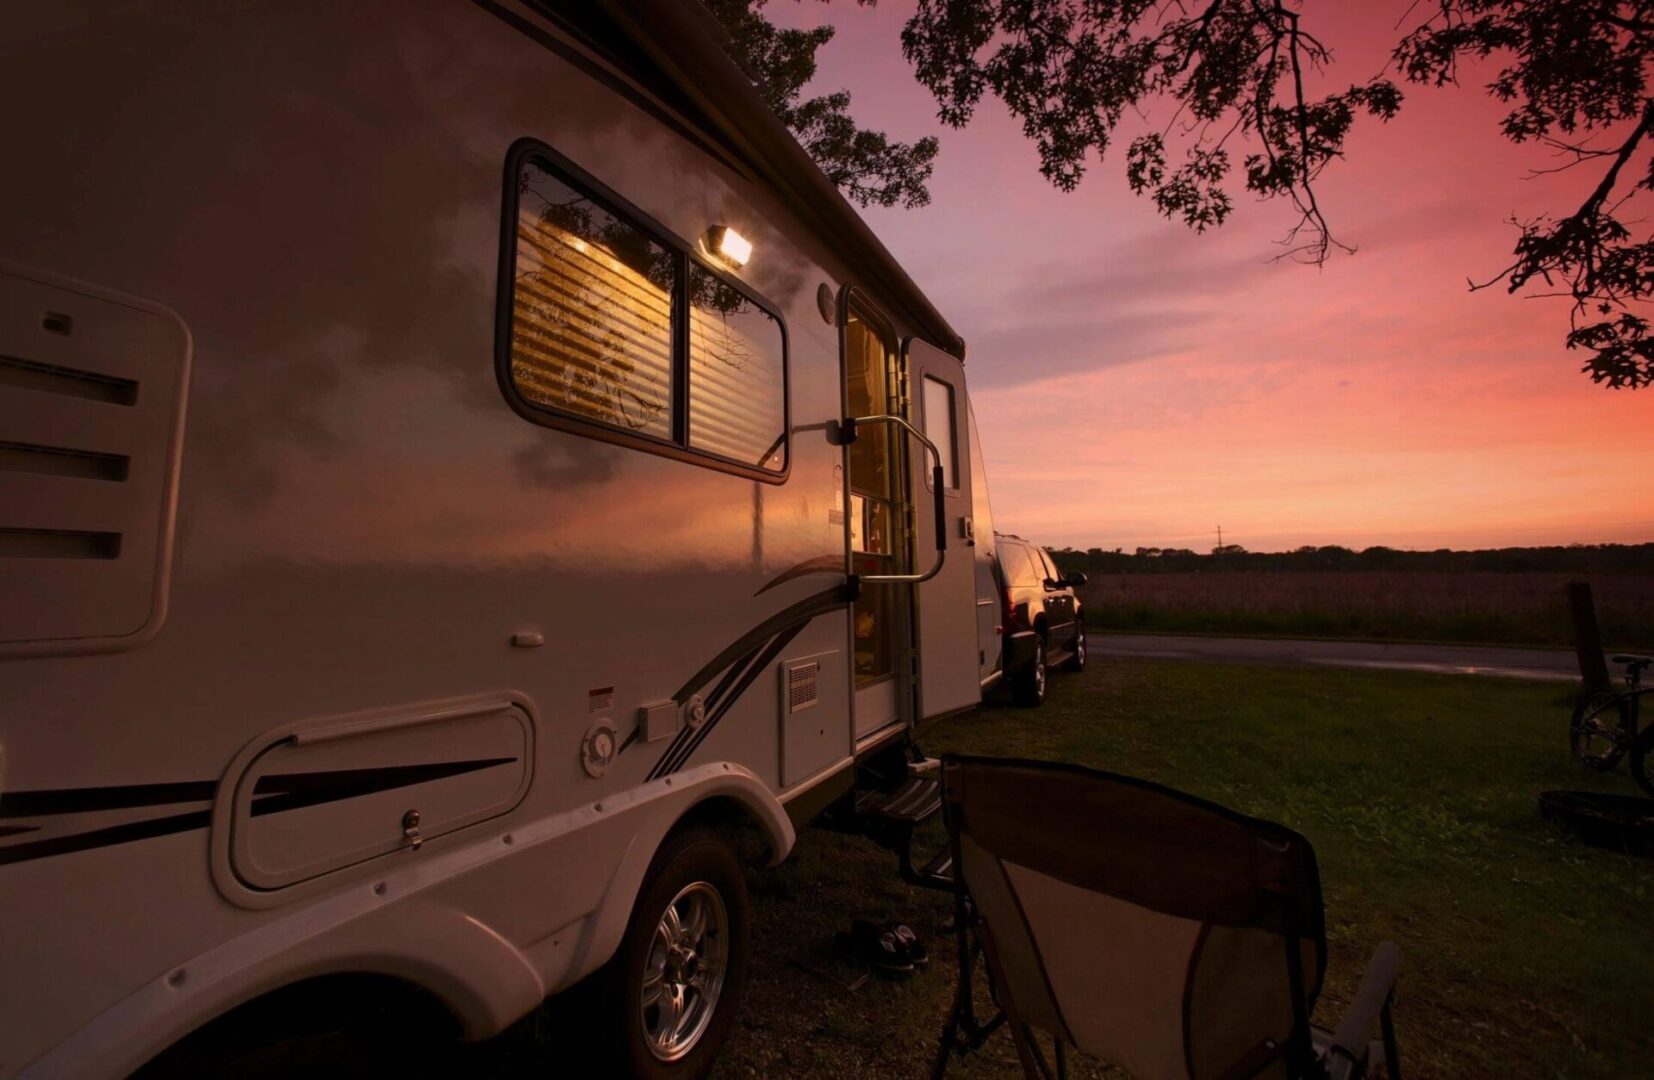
(1526, 955)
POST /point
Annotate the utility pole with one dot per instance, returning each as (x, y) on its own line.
(1220, 539)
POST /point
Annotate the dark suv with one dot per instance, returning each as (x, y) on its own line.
(1043, 622)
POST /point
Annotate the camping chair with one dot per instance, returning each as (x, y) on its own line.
(1147, 927)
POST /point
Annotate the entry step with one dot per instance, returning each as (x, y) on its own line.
(913, 800)
(939, 871)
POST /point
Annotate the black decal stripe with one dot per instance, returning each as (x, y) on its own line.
(114, 834)
(799, 613)
(821, 564)
(734, 681)
(299, 790)
(736, 658)
(685, 733)
(721, 691)
(274, 793)
(344, 783)
(13, 830)
(757, 668)
(84, 800)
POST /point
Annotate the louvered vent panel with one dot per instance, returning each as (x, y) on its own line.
(91, 408)
(803, 685)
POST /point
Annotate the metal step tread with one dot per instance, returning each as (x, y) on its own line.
(940, 868)
(913, 800)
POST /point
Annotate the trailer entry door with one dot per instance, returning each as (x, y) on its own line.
(879, 500)
(948, 660)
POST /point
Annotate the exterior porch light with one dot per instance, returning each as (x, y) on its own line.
(728, 245)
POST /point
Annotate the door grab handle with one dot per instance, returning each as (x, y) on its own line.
(846, 434)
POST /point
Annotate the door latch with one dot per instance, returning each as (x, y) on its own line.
(410, 830)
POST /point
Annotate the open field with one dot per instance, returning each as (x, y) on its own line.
(1526, 955)
(1506, 608)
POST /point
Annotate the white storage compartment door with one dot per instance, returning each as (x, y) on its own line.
(948, 679)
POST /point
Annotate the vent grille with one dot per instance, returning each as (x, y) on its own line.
(91, 406)
(68, 381)
(803, 685)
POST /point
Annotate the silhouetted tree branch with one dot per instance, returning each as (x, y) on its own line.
(1070, 70)
(868, 166)
(1574, 71)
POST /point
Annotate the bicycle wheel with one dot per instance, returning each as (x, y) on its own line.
(1597, 734)
(1642, 750)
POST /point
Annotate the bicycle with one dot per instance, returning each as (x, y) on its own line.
(1605, 722)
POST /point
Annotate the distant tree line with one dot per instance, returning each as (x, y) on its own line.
(1231, 558)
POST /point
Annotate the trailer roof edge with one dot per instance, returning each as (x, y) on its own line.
(698, 66)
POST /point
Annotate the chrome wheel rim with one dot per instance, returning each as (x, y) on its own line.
(1079, 645)
(684, 973)
(1039, 672)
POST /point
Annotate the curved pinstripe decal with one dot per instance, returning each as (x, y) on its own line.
(740, 663)
(752, 672)
(799, 613)
(821, 564)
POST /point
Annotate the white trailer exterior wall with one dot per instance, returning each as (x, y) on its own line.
(367, 539)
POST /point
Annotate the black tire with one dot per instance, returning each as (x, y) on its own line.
(688, 860)
(1028, 684)
(1596, 732)
(1076, 656)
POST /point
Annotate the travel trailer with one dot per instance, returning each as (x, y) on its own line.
(458, 464)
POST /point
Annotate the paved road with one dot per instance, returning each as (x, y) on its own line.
(1558, 664)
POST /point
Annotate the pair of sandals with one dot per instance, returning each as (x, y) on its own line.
(891, 949)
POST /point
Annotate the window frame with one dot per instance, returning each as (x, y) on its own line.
(676, 448)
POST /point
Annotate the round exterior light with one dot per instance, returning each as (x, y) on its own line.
(728, 245)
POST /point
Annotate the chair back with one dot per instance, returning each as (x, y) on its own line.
(1593, 669)
(1142, 925)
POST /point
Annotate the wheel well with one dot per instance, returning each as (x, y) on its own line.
(369, 1003)
(731, 818)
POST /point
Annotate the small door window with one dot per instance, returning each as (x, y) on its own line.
(940, 426)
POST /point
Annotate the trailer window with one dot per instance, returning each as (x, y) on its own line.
(737, 389)
(611, 327)
(591, 326)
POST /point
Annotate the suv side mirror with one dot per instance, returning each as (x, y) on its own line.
(1074, 580)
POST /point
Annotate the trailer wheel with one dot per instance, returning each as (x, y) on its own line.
(1028, 686)
(674, 984)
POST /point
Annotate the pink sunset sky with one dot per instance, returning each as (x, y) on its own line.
(1137, 384)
